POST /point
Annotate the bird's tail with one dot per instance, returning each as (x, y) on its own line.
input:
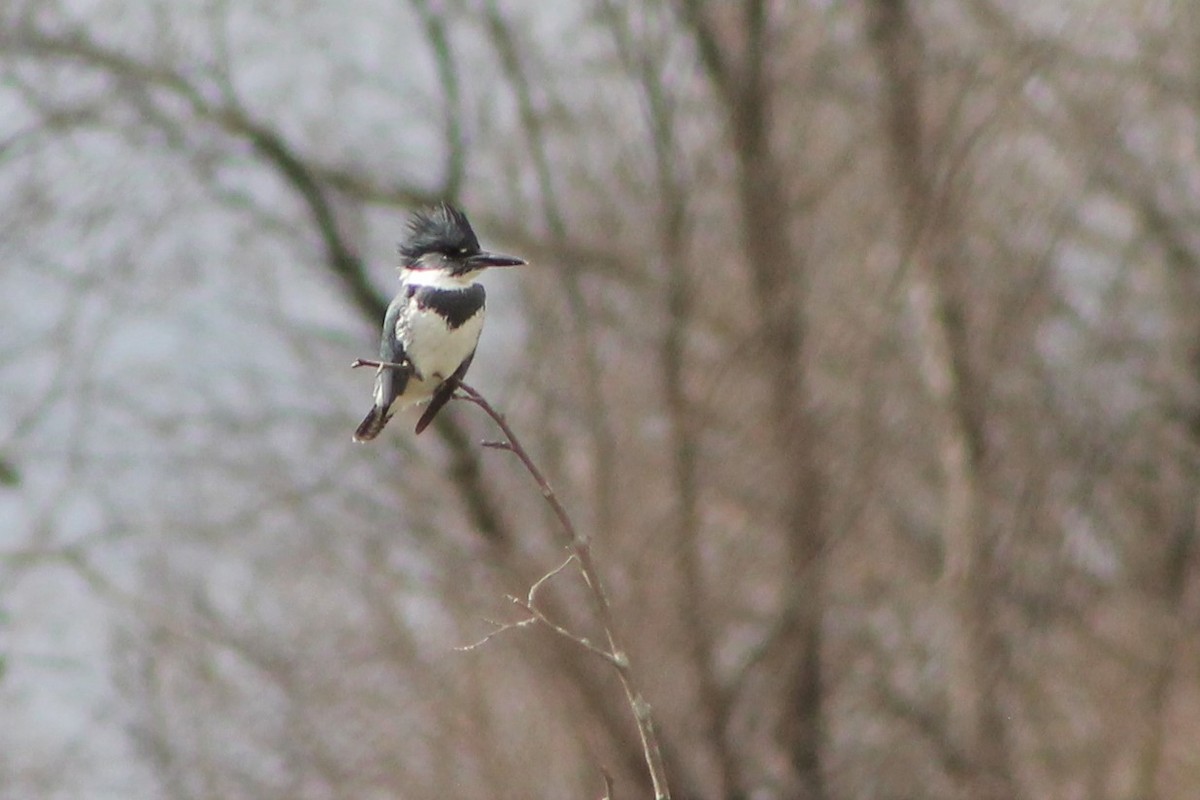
(370, 427)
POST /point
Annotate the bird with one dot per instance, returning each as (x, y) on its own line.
(432, 326)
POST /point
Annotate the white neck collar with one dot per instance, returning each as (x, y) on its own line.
(438, 279)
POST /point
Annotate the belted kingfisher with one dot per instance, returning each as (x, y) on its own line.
(432, 326)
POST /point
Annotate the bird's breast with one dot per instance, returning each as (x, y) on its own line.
(435, 347)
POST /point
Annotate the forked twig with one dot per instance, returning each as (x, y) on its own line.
(536, 615)
(581, 553)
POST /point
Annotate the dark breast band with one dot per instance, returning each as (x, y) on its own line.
(456, 306)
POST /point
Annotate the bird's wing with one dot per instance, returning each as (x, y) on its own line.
(391, 383)
(443, 393)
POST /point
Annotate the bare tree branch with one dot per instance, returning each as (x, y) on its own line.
(936, 292)
(581, 550)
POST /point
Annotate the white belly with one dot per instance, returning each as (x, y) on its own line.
(435, 351)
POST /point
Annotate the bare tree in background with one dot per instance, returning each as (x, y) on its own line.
(863, 337)
(938, 287)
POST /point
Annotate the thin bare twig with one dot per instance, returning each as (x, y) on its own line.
(584, 642)
(608, 784)
(533, 590)
(498, 628)
(536, 615)
(581, 553)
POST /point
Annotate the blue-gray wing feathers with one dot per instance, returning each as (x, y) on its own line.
(389, 382)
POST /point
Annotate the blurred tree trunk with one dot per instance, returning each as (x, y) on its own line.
(936, 276)
(740, 77)
(1172, 578)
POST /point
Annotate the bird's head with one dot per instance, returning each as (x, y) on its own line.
(441, 239)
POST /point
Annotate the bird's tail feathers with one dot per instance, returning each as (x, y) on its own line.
(370, 427)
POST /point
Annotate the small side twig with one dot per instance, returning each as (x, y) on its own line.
(370, 362)
(584, 642)
(533, 590)
(608, 784)
(405, 365)
(497, 629)
(581, 553)
(536, 615)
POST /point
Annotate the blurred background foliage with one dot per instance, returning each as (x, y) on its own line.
(862, 336)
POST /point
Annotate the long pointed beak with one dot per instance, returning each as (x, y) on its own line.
(495, 260)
